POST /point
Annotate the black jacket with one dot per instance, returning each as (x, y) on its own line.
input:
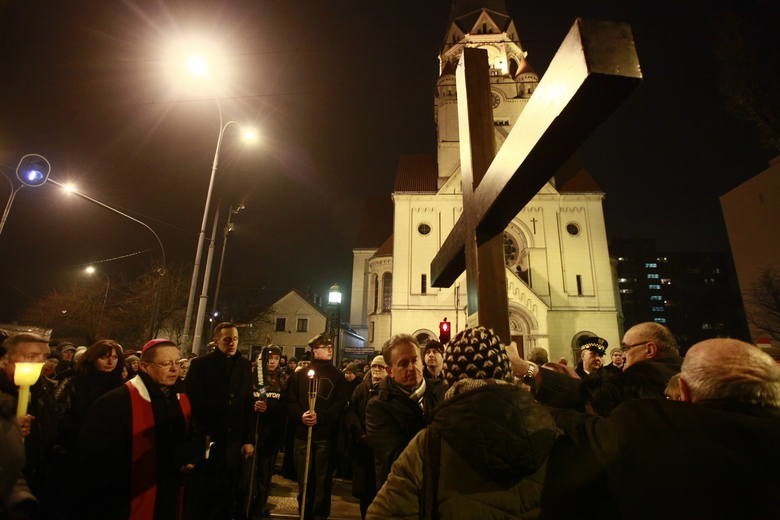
(220, 389)
(331, 400)
(667, 459)
(74, 397)
(392, 419)
(605, 390)
(363, 473)
(272, 422)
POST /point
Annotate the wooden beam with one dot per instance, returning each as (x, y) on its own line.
(594, 70)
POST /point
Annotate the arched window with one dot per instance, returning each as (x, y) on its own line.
(387, 291)
(513, 66)
(516, 256)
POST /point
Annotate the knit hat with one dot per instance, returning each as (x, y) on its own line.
(595, 344)
(476, 353)
(378, 360)
(130, 359)
(433, 344)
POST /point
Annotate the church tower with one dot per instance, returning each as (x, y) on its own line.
(560, 282)
(512, 79)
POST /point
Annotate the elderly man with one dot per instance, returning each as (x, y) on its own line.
(136, 445)
(404, 402)
(652, 358)
(220, 387)
(40, 426)
(714, 455)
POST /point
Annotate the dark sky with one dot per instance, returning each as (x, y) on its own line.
(339, 90)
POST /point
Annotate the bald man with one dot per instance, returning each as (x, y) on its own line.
(652, 358)
(713, 455)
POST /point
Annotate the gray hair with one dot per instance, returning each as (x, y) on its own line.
(390, 344)
(731, 370)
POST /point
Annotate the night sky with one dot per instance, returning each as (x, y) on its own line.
(339, 89)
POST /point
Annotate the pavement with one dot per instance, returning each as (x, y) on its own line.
(283, 501)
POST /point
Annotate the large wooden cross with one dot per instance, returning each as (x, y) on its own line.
(594, 70)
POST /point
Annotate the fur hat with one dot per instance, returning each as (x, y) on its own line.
(595, 344)
(354, 368)
(476, 353)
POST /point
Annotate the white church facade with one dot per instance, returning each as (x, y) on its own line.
(560, 281)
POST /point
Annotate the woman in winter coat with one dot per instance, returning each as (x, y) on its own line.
(98, 371)
(483, 454)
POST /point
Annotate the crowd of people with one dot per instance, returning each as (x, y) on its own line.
(469, 429)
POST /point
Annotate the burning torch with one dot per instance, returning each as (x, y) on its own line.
(314, 387)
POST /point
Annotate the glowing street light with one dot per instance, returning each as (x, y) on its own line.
(334, 298)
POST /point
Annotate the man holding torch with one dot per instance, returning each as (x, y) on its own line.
(316, 427)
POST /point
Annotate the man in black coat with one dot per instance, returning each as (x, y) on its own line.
(712, 456)
(219, 385)
(652, 358)
(324, 421)
(404, 402)
(136, 444)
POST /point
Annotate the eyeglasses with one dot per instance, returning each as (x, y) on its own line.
(626, 348)
(165, 364)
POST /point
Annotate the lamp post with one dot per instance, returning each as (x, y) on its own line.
(90, 270)
(334, 298)
(248, 136)
(32, 171)
(70, 188)
(234, 210)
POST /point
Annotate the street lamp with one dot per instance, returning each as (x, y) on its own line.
(71, 188)
(199, 66)
(334, 298)
(90, 270)
(32, 171)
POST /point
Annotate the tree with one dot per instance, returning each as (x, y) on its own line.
(746, 48)
(764, 303)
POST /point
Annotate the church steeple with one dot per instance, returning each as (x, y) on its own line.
(485, 24)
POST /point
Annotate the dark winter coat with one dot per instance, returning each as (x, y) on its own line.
(492, 471)
(672, 460)
(331, 400)
(605, 391)
(363, 474)
(220, 390)
(272, 422)
(392, 419)
(42, 451)
(74, 397)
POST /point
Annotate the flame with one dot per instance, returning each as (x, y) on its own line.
(310, 373)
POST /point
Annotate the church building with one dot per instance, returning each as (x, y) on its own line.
(560, 280)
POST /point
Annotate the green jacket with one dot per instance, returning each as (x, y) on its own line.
(494, 443)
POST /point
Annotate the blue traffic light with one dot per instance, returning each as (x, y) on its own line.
(33, 170)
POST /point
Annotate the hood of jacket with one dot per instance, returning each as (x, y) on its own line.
(498, 429)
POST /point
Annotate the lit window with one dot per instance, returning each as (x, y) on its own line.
(656, 298)
(622, 259)
(706, 326)
(666, 281)
(622, 280)
(657, 308)
(653, 276)
(626, 291)
(654, 286)
(659, 320)
(651, 265)
(662, 259)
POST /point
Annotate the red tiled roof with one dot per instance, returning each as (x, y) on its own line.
(416, 173)
(386, 249)
(576, 181)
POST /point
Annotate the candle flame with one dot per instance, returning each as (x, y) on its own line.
(310, 373)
